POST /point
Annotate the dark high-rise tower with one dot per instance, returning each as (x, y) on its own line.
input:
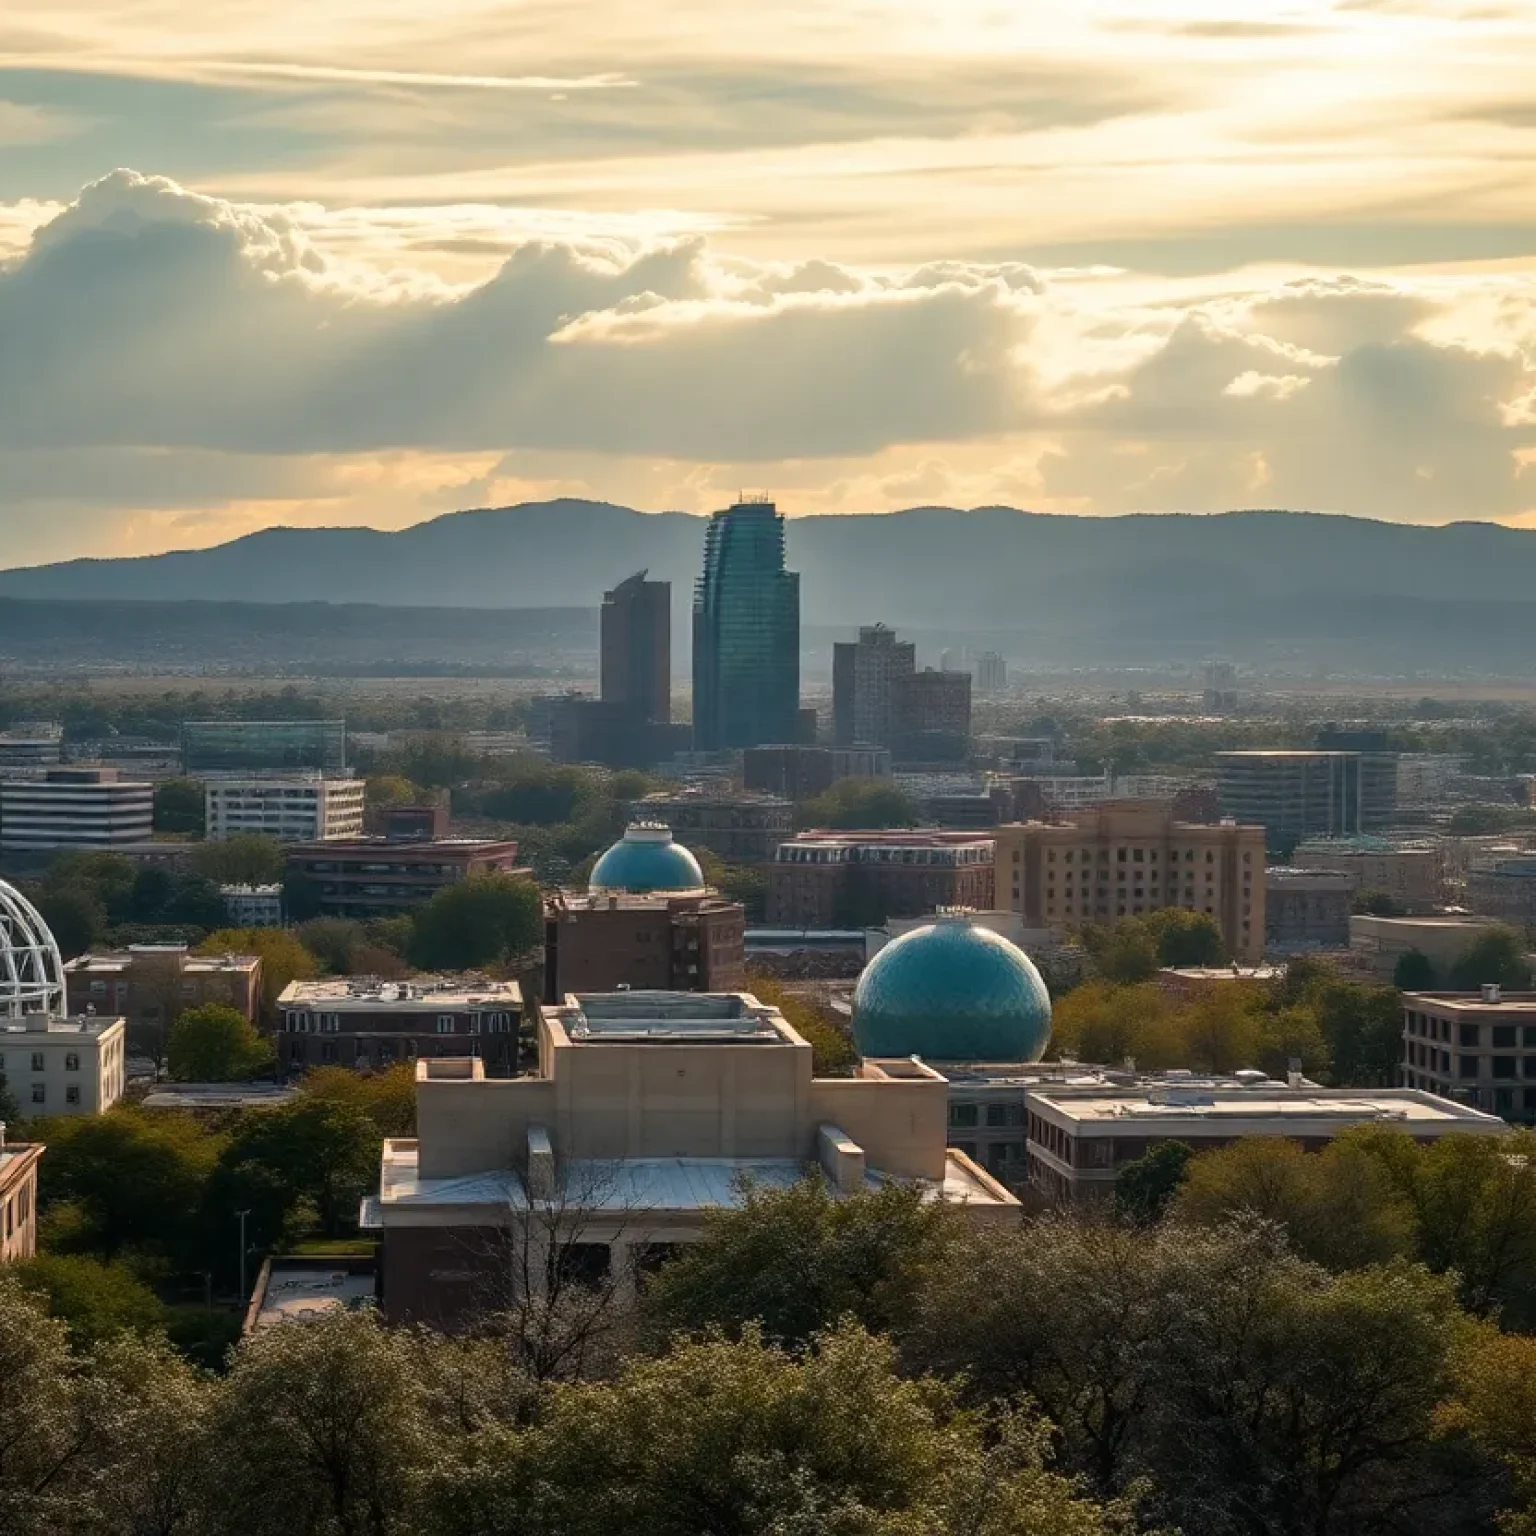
(637, 649)
(746, 633)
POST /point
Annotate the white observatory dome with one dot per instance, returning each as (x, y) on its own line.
(31, 969)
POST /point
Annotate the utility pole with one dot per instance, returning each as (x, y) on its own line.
(242, 1215)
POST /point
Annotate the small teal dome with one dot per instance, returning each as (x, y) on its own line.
(644, 860)
(952, 991)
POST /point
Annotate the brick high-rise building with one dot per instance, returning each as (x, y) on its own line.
(1129, 858)
(933, 716)
(637, 649)
(866, 677)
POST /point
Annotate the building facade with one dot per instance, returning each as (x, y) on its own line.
(1504, 888)
(58, 1066)
(1412, 873)
(741, 828)
(863, 879)
(18, 1198)
(149, 984)
(87, 808)
(798, 773)
(1130, 858)
(645, 1113)
(1294, 795)
(636, 649)
(373, 877)
(1478, 1048)
(991, 673)
(1378, 943)
(361, 1022)
(253, 906)
(660, 942)
(867, 674)
(264, 746)
(291, 810)
(746, 633)
(933, 716)
(1080, 1137)
(1307, 909)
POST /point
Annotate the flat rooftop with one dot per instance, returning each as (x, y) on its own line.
(1518, 1003)
(117, 963)
(635, 901)
(220, 1096)
(676, 1018)
(367, 994)
(295, 1289)
(35, 1024)
(1224, 972)
(1268, 1106)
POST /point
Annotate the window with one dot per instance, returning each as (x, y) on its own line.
(1466, 1066)
(39, 1093)
(997, 1114)
(98, 988)
(38, 1064)
(1470, 1034)
(1138, 856)
(72, 1061)
(445, 1023)
(963, 1116)
(72, 1094)
(1503, 1036)
(1503, 1066)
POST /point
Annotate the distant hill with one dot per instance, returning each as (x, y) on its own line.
(1242, 584)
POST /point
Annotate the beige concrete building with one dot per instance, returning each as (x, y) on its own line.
(1412, 873)
(1128, 858)
(1380, 942)
(1477, 1047)
(644, 1113)
(18, 1198)
(311, 809)
(58, 1066)
(1080, 1137)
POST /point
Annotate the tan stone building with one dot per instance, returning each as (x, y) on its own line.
(1412, 873)
(1127, 858)
(54, 1066)
(1378, 943)
(18, 1198)
(645, 1113)
(1478, 1047)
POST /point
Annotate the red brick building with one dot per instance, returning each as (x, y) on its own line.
(861, 879)
(375, 876)
(149, 984)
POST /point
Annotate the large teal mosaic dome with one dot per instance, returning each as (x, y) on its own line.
(952, 991)
(646, 859)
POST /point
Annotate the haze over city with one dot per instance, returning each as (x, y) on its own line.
(371, 265)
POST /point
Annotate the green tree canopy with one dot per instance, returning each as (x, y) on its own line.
(76, 916)
(1497, 956)
(483, 921)
(1124, 954)
(1145, 1188)
(870, 804)
(283, 957)
(1185, 938)
(1414, 972)
(95, 1300)
(216, 1044)
(248, 858)
(179, 806)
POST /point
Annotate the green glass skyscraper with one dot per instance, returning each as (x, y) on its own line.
(746, 633)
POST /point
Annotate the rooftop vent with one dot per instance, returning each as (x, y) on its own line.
(1492, 992)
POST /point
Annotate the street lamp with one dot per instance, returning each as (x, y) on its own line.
(242, 1215)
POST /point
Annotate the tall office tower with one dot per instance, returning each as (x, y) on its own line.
(866, 675)
(991, 673)
(637, 648)
(746, 633)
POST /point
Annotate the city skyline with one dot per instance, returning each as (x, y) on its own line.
(1100, 259)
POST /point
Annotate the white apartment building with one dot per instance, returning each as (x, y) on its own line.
(292, 810)
(74, 808)
(56, 1066)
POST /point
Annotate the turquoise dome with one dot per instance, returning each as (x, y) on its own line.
(646, 859)
(952, 991)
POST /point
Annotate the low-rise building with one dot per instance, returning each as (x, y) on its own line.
(645, 1113)
(1307, 909)
(660, 941)
(18, 1198)
(799, 772)
(253, 906)
(1130, 858)
(1081, 1136)
(1412, 873)
(1505, 889)
(311, 809)
(1476, 1047)
(862, 879)
(740, 828)
(300, 1289)
(1189, 982)
(87, 808)
(149, 984)
(362, 1022)
(376, 876)
(1380, 942)
(55, 1066)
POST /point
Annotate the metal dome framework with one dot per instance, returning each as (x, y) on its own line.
(31, 968)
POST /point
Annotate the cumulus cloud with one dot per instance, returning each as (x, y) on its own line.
(173, 350)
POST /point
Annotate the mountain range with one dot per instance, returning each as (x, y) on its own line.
(1251, 585)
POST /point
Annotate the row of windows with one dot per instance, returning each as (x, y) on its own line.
(447, 1023)
(40, 1093)
(1501, 1036)
(17, 1209)
(40, 1061)
(968, 1116)
(1134, 855)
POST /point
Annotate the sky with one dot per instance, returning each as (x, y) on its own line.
(370, 261)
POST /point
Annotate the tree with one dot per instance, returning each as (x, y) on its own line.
(1124, 954)
(248, 858)
(1362, 1028)
(179, 806)
(1495, 1405)
(1379, 904)
(1185, 938)
(1496, 956)
(301, 896)
(832, 1050)
(869, 804)
(1414, 972)
(333, 941)
(483, 921)
(797, 1260)
(95, 1300)
(1144, 1189)
(217, 1044)
(75, 916)
(283, 957)
(388, 1098)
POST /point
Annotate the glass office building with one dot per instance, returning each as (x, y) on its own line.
(264, 746)
(746, 633)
